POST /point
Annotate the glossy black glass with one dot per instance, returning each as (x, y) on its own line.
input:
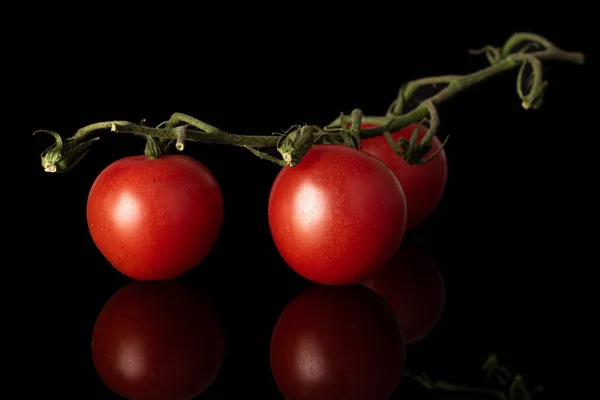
(495, 237)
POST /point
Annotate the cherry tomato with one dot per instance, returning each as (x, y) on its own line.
(338, 216)
(158, 340)
(413, 286)
(424, 184)
(155, 219)
(337, 342)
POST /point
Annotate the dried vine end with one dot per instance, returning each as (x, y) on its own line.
(63, 156)
(181, 137)
(295, 144)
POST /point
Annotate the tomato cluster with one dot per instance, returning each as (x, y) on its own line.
(336, 218)
(339, 219)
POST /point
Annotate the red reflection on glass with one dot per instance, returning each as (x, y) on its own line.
(158, 340)
(413, 286)
(337, 342)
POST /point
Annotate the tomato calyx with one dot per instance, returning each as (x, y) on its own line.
(63, 155)
(351, 135)
(410, 150)
(295, 143)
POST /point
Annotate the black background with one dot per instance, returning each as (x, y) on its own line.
(503, 236)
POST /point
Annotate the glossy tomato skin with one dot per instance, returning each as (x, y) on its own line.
(413, 286)
(158, 340)
(155, 219)
(337, 342)
(338, 216)
(424, 184)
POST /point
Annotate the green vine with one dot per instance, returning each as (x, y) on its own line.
(520, 50)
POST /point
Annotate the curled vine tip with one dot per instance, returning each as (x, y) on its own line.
(536, 86)
(294, 144)
(492, 53)
(63, 155)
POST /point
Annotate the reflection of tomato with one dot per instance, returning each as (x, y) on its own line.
(337, 342)
(413, 286)
(423, 185)
(158, 340)
(338, 216)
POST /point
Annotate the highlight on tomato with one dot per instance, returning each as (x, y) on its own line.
(424, 184)
(338, 216)
(158, 340)
(413, 286)
(337, 342)
(155, 219)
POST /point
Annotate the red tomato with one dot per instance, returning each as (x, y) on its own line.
(424, 184)
(337, 342)
(155, 219)
(338, 216)
(158, 340)
(413, 286)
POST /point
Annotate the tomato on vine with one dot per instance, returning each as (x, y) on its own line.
(338, 216)
(337, 342)
(413, 286)
(155, 218)
(423, 184)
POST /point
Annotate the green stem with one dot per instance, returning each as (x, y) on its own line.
(407, 91)
(461, 83)
(209, 135)
(215, 136)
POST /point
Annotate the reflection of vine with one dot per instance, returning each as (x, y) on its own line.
(513, 386)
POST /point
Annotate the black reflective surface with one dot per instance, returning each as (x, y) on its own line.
(497, 237)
